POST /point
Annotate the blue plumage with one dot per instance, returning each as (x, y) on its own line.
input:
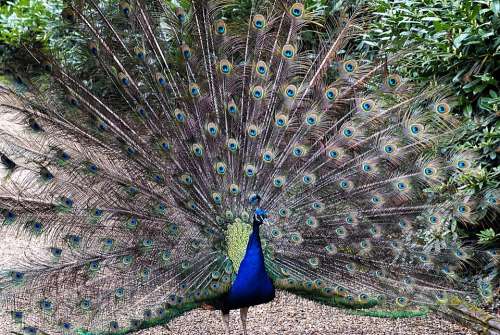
(252, 285)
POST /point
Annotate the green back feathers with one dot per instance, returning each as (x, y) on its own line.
(237, 236)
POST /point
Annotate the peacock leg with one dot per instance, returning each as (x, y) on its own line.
(243, 315)
(225, 319)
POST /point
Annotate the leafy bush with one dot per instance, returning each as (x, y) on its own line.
(21, 20)
(455, 42)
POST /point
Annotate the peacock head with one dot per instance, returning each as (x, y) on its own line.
(260, 216)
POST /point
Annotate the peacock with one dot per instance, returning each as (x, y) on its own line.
(181, 158)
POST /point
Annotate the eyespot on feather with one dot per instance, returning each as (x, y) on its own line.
(297, 10)
(220, 27)
(288, 51)
(259, 22)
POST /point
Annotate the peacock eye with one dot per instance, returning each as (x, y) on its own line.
(179, 115)
(258, 92)
(141, 111)
(197, 150)
(281, 120)
(161, 79)
(234, 189)
(250, 170)
(401, 186)
(428, 171)
(333, 154)
(181, 14)
(283, 212)
(232, 145)
(350, 66)
(232, 109)
(147, 243)
(194, 90)
(259, 21)
(367, 105)
(220, 168)
(340, 231)
(415, 129)
(217, 198)
(290, 91)
(124, 7)
(212, 129)
(312, 119)
(308, 179)
(348, 132)
(366, 167)
(252, 131)
(93, 49)
(124, 79)
(279, 181)
(442, 108)
(68, 202)
(389, 149)
(73, 101)
(157, 178)
(267, 156)
(299, 151)
(165, 146)
(393, 81)
(331, 93)
(46, 305)
(56, 252)
(225, 67)
(288, 51)
(297, 10)
(220, 27)
(186, 179)
(186, 51)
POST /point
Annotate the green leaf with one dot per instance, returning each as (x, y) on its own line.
(431, 18)
(495, 6)
(457, 42)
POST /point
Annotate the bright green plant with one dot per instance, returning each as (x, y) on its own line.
(21, 20)
(488, 236)
(455, 43)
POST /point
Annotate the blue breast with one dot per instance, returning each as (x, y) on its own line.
(252, 285)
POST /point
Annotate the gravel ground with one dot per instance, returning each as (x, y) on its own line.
(292, 315)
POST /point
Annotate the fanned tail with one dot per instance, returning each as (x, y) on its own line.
(131, 171)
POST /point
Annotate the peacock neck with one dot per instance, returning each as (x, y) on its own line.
(254, 243)
(256, 230)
